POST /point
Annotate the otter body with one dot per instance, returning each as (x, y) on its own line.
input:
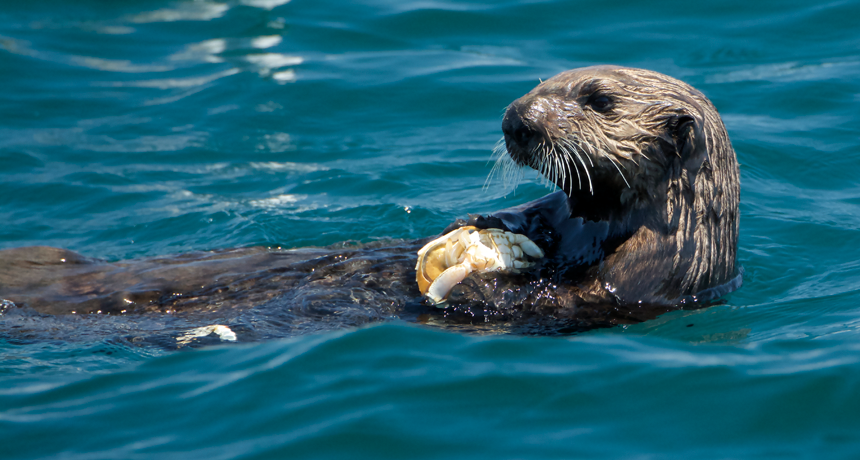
(646, 221)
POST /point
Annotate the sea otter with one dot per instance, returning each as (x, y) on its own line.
(648, 208)
(646, 221)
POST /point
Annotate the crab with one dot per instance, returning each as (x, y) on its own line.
(447, 260)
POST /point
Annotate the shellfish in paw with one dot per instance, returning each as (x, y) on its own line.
(447, 260)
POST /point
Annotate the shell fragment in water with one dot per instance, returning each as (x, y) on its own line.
(447, 260)
(223, 332)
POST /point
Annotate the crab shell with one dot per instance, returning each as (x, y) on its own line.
(447, 260)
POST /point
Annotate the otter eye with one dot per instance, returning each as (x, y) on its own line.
(601, 103)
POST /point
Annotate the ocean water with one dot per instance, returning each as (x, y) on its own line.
(150, 127)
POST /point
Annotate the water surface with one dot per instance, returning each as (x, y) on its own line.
(148, 127)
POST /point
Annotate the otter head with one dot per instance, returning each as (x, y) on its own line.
(646, 152)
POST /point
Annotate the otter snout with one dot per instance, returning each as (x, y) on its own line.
(516, 130)
(522, 132)
(529, 123)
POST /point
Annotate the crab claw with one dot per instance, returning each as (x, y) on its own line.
(436, 257)
(447, 260)
(442, 285)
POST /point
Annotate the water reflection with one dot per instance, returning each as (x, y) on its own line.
(266, 63)
(170, 83)
(787, 72)
(113, 65)
(143, 55)
(274, 65)
(205, 51)
(264, 4)
(266, 41)
(199, 10)
(185, 11)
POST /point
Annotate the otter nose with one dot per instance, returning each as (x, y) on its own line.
(516, 130)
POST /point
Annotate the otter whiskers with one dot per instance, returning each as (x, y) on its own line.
(573, 151)
(511, 173)
(556, 162)
(615, 163)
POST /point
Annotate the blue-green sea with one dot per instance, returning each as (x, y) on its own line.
(148, 128)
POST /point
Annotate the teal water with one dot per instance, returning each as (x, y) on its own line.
(144, 128)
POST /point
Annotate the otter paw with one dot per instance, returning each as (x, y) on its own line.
(447, 260)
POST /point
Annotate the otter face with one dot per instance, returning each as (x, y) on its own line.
(606, 132)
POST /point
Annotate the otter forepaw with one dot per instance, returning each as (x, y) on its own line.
(447, 260)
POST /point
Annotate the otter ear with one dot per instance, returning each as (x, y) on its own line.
(690, 142)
